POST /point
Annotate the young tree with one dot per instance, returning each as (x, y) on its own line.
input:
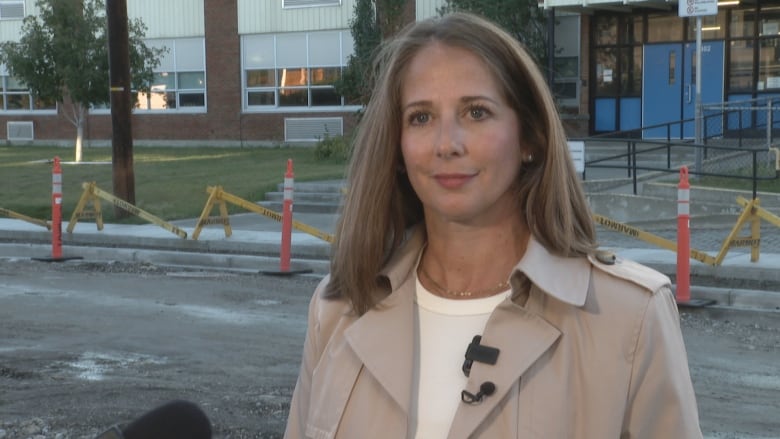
(366, 36)
(62, 56)
(372, 22)
(522, 18)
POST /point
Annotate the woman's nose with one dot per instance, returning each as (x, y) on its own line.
(450, 141)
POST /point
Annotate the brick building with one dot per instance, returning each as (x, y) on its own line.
(241, 72)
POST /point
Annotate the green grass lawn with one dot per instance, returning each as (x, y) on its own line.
(170, 182)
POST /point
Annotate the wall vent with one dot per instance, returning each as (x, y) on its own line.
(312, 129)
(19, 131)
(10, 10)
(309, 3)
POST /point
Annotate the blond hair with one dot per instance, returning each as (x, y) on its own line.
(380, 203)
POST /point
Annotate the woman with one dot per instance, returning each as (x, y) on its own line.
(465, 217)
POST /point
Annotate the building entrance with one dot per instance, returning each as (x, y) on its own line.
(669, 86)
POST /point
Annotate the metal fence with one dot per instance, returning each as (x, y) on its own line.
(752, 122)
(637, 159)
(737, 142)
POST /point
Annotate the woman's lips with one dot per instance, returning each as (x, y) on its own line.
(453, 181)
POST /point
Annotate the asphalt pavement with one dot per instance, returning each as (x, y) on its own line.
(255, 245)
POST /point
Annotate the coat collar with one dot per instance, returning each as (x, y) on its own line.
(566, 279)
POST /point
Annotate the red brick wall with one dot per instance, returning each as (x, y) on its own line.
(223, 55)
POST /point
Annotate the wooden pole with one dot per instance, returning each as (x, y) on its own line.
(119, 81)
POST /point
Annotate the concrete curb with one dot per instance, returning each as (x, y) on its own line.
(737, 298)
(173, 244)
(746, 299)
(203, 260)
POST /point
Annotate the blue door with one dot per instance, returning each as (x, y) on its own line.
(711, 86)
(662, 89)
(669, 87)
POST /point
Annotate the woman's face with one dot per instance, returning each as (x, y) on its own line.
(460, 140)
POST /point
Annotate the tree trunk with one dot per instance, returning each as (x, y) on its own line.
(393, 15)
(79, 136)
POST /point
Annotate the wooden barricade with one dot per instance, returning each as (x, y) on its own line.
(752, 214)
(92, 195)
(651, 238)
(23, 217)
(218, 196)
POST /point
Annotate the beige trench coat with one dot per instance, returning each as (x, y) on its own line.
(594, 352)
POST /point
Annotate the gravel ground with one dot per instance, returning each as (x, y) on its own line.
(242, 372)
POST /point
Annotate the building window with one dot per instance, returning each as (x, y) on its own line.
(631, 71)
(663, 28)
(18, 98)
(606, 72)
(12, 10)
(618, 61)
(770, 21)
(295, 70)
(712, 27)
(742, 22)
(180, 81)
(309, 3)
(567, 61)
(769, 64)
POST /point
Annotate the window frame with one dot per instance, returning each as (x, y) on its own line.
(171, 66)
(28, 96)
(268, 45)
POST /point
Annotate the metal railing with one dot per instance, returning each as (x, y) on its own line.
(657, 158)
(736, 143)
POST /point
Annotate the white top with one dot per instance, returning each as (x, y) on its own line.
(446, 327)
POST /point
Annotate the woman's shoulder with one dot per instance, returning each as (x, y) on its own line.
(611, 269)
(326, 311)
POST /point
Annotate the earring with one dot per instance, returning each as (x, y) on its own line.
(529, 158)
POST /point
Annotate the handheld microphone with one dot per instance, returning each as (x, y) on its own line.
(485, 389)
(174, 420)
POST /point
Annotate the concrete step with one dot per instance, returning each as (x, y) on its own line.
(306, 197)
(303, 207)
(326, 186)
(641, 208)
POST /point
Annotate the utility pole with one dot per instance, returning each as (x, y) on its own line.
(119, 81)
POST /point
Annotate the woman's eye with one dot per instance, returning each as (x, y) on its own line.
(477, 113)
(419, 118)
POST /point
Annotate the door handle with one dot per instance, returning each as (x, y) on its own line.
(688, 93)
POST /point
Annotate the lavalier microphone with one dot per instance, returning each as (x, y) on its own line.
(485, 389)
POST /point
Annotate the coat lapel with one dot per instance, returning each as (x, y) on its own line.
(383, 338)
(521, 337)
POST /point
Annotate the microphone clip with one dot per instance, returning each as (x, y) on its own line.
(480, 353)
